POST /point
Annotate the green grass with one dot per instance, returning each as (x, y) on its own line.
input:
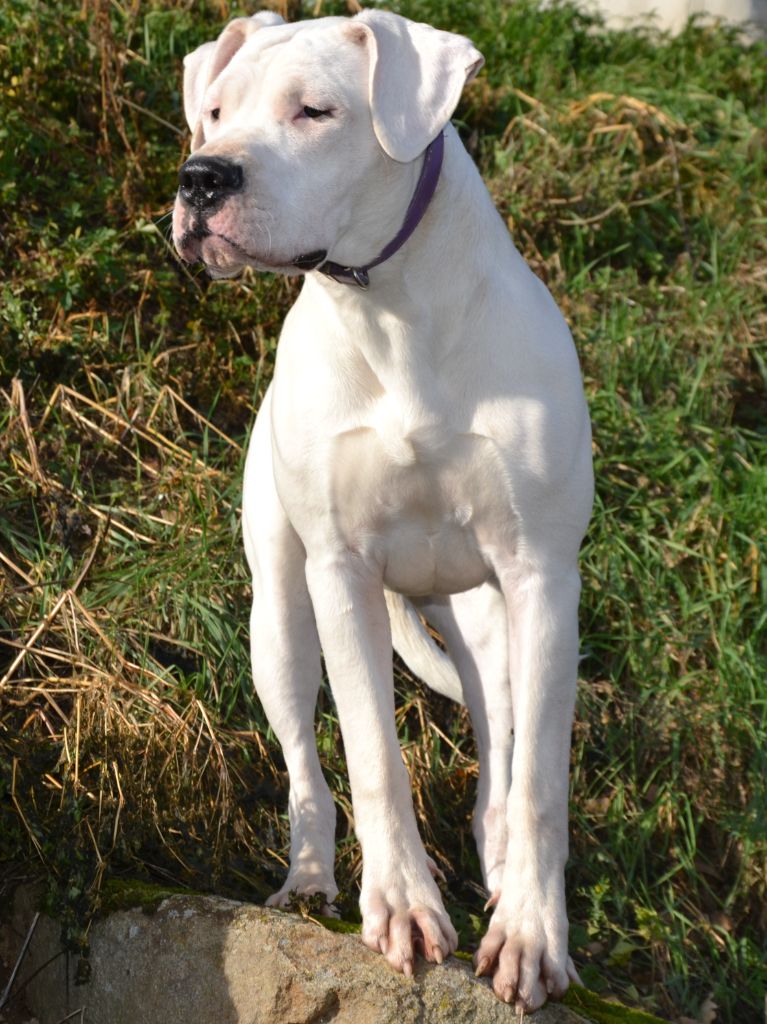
(630, 168)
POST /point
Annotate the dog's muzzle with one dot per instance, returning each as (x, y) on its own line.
(206, 181)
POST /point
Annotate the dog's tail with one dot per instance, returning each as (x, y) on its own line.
(419, 652)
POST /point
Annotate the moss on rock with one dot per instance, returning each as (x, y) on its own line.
(131, 893)
(602, 1011)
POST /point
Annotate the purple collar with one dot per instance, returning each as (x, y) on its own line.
(422, 196)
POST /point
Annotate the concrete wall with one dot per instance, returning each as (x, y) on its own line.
(673, 14)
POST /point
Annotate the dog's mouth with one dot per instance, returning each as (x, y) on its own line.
(221, 256)
(224, 257)
(311, 260)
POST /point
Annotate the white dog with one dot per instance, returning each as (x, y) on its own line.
(424, 451)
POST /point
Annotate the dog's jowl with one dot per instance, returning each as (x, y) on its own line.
(423, 454)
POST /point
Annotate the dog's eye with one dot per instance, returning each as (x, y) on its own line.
(215, 113)
(314, 112)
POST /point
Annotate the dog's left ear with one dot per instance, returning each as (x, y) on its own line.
(417, 74)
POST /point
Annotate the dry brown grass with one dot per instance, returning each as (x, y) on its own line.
(110, 756)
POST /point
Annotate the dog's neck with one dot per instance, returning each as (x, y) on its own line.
(460, 204)
(407, 326)
(428, 180)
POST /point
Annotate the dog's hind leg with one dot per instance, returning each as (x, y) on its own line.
(474, 625)
(285, 655)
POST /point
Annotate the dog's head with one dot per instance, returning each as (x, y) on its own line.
(300, 133)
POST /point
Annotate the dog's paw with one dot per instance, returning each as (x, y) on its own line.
(525, 951)
(302, 895)
(402, 917)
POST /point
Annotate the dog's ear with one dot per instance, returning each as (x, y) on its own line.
(205, 64)
(417, 74)
(196, 81)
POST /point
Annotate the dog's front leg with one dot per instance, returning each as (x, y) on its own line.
(526, 941)
(285, 656)
(401, 906)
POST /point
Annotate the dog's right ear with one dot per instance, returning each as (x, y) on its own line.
(195, 82)
(205, 64)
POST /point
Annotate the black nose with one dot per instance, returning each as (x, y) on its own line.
(205, 181)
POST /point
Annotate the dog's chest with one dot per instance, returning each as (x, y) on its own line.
(423, 501)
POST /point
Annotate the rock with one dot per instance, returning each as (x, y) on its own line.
(214, 961)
